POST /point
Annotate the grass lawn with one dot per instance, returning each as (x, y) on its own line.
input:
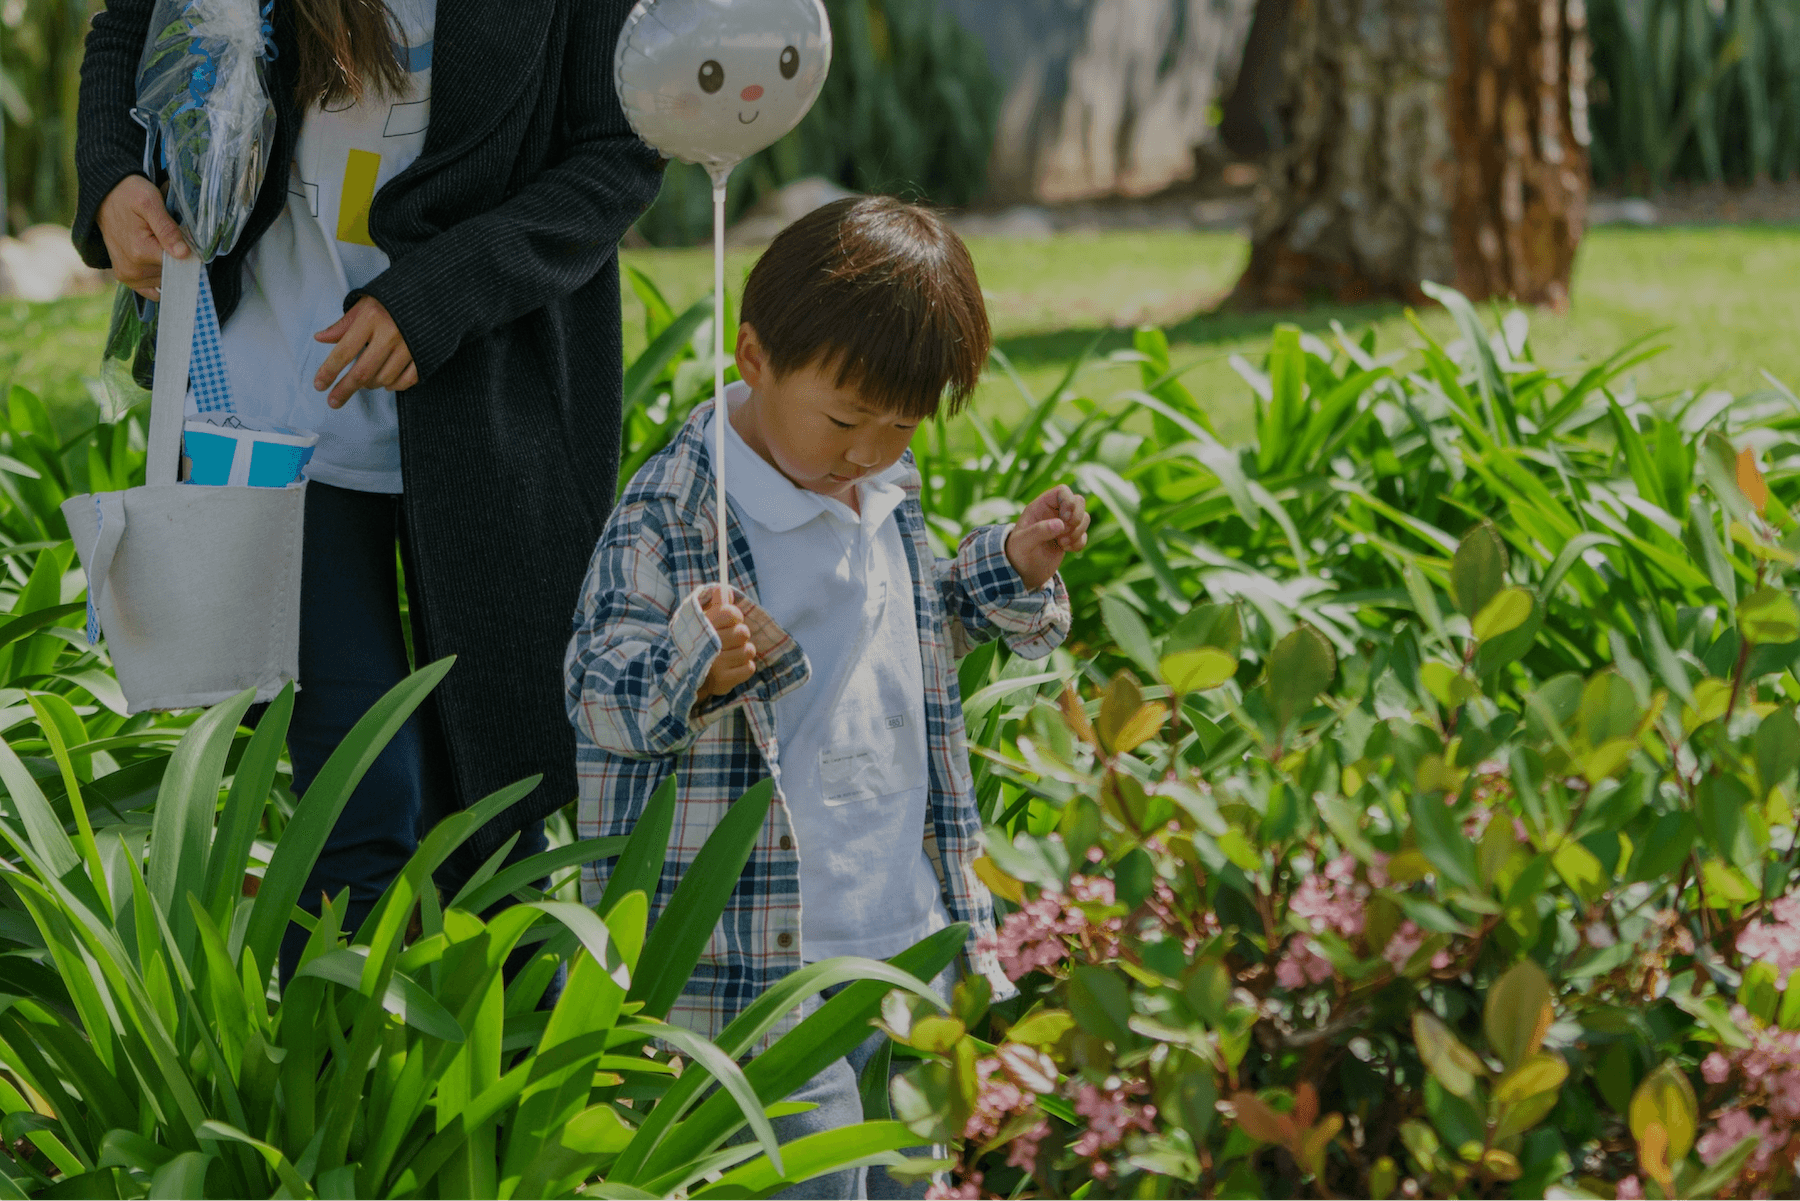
(1726, 295)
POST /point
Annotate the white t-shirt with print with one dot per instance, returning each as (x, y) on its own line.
(315, 253)
(853, 759)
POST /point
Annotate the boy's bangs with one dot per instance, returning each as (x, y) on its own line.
(880, 291)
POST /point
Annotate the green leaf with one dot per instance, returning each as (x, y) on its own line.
(229, 858)
(640, 865)
(1214, 625)
(683, 929)
(1454, 1065)
(1448, 686)
(839, 1025)
(1514, 1016)
(403, 997)
(648, 367)
(1768, 616)
(1129, 631)
(1101, 1004)
(183, 820)
(815, 1155)
(317, 813)
(1580, 869)
(1440, 837)
(1777, 748)
(1665, 1096)
(1541, 1073)
(536, 867)
(1478, 572)
(1509, 609)
(1300, 667)
(1198, 670)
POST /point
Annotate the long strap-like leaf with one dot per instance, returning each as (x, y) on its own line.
(680, 934)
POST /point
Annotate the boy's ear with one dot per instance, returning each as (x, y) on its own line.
(752, 359)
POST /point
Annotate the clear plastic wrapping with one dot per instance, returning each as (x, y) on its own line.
(203, 94)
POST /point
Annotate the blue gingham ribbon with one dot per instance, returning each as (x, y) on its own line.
(207, 373)
(93, 615)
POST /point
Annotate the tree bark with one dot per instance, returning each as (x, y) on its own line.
(1441, 140)
(1105, 97)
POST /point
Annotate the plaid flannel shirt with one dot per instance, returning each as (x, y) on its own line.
(641, 650)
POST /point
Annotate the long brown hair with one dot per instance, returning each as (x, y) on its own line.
(346, 52)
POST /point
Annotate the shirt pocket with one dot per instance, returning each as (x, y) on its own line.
(890, 764)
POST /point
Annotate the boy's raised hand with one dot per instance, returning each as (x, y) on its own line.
(737, 654)
(1051, 526)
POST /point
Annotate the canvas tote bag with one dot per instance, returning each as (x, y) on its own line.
(196, 588)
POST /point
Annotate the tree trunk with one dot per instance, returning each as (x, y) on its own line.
(1441, 140)
(1105, 97)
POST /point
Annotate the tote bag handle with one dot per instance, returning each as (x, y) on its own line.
(174, 350)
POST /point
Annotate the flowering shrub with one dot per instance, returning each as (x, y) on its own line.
(1439, 923)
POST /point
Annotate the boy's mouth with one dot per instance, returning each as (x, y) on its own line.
(752, 120)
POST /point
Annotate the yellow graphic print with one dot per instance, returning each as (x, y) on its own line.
(358, 194)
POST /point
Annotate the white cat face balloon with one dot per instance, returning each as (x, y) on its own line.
(714, 81)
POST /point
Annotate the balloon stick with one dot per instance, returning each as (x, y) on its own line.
(720, 417)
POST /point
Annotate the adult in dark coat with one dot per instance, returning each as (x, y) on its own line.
(503, 282)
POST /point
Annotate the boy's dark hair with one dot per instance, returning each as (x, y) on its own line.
(882, 290)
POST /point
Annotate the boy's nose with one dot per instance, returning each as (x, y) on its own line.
(753, 92)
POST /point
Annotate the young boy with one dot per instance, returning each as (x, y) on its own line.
(832, 666)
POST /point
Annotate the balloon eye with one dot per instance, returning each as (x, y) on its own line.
(712, 76)
(790, 63)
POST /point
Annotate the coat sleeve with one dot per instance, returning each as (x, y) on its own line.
(549, 238)
(109, 145)
(640, 652)
(985, 599)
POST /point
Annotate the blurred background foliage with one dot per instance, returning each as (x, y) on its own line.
(1682, 90)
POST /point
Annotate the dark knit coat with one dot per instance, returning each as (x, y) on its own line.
(504, 282)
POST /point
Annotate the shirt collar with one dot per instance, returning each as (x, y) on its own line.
(772, 501)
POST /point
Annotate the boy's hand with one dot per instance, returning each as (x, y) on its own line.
(1051, 526)
(737, 654)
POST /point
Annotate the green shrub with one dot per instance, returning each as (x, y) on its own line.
(1428, 865)
(144, 1053)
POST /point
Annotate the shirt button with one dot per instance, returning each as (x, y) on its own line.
(784, 940)
(787, 844)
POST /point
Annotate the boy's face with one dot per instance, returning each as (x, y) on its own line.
(823, 438)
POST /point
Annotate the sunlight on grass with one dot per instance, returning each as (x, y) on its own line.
(1726, 296)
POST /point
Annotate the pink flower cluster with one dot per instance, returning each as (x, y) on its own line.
(1110, 1113)
(1405, 942)
(968, 1190)
(1048, 930)
(1629, 1189)
(1008, 1085)
(1777, 941)
(1767, 1077)
(1334, 900)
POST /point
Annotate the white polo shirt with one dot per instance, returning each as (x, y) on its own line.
(852, 738)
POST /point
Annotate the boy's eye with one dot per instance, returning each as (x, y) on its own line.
(843, 425)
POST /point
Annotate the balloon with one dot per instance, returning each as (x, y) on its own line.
(713, 81)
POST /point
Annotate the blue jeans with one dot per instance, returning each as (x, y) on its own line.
(837, 1093)
(352, 651)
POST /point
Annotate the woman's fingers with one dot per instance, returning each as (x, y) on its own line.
(162, 228)
(409, 377)
(399, 359)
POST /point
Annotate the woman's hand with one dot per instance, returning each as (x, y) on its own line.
(737, 654)
(1051, 526)
(369, 343)
(137, 229)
